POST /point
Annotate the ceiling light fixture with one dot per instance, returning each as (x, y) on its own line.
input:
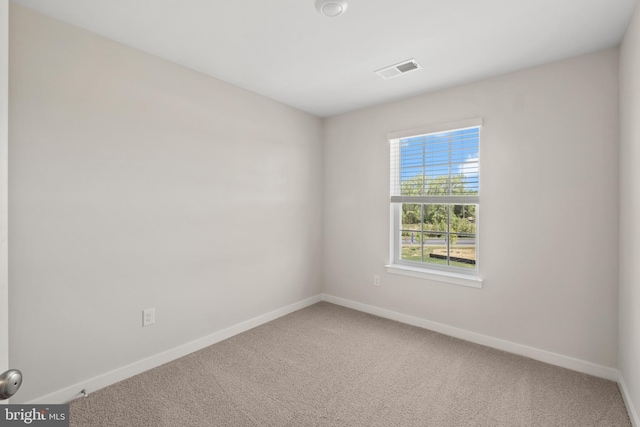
(331, 8)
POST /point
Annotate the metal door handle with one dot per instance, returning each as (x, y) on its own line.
(10, 382)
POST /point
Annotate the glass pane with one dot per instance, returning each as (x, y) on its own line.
(411, 217)
(441, 164)
(412, 183)
(411, 249)
(411, 232)
(463, 219)
(435, 217)
(412, 166)
(462, 250)
(465, 177)
(435, 249)
(437, 180)
(464, 161)
(436, 153)
(437, 148)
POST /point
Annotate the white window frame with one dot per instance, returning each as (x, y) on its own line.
(444, 274)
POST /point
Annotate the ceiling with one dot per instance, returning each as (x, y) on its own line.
(285, 50)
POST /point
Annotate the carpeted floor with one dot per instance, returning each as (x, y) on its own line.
(327, 365)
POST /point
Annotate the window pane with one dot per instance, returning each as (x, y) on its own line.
(411, 217)
(411, 249)
(435, 249)
(412, 185)
(435, 217)
(463, 219)
(440, 164)
(462, 250)
(464, 178)
(437, 181)
(411, 232)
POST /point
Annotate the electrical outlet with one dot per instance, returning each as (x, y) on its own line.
(376, 280)
(148, 316)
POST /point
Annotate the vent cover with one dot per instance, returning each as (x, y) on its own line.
(398, 69)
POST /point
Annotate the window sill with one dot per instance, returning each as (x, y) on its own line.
(436, 276)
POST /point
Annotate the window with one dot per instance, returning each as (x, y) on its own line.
(435, 200)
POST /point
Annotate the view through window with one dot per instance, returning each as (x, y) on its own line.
(435, 192)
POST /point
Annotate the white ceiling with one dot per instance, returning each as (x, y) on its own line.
(285, 50)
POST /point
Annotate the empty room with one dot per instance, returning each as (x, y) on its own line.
(320, 213)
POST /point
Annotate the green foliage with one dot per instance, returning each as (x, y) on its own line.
(421, 185)
(421, 221)
(433, 218)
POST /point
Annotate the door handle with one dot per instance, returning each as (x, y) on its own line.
(10, 382)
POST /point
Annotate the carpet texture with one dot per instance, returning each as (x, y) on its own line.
(327, 365)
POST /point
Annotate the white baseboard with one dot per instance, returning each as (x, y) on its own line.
(93, 384)
(633, 414)
(500, 344)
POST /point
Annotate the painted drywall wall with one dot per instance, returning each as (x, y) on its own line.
(549, 208)
(137, 183)
(629, 306)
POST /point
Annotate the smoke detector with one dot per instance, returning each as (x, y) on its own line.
(398, 69)
(331, 8)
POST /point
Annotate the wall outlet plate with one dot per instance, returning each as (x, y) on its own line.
(148, 316)
(376, 280)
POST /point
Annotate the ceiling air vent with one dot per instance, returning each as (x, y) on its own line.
(397, 69)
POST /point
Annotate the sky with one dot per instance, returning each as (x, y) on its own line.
(436, 153)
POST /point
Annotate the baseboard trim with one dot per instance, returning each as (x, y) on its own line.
(93, 384)
(631, 410)
(497, 343)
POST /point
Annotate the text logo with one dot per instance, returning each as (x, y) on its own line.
(34, 415)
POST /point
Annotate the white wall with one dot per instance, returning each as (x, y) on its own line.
(629, 323)
(137, 183)
(549, 208)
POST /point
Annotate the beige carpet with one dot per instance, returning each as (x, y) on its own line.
(327, 365)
